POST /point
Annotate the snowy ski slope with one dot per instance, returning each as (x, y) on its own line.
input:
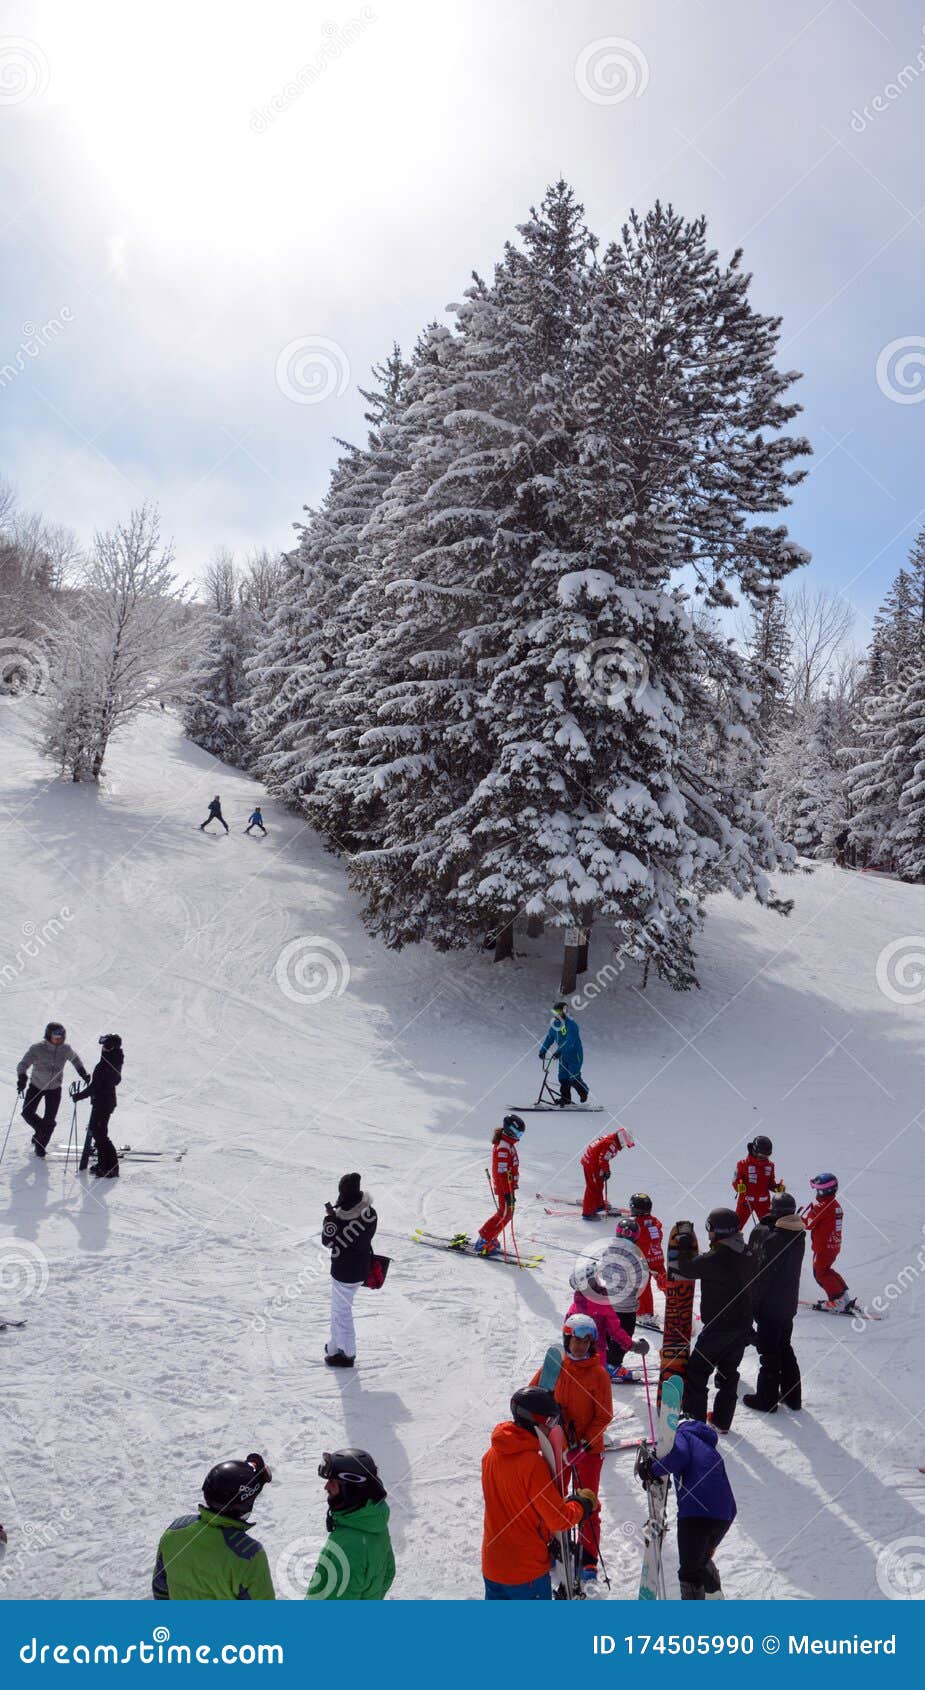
(177, 1316)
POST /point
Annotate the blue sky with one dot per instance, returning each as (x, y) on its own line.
(184, 196)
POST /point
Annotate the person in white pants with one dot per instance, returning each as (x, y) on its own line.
(347, 1231)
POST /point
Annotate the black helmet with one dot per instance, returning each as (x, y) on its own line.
(514, 1125)
(641, 1203)
(783, 1203)
(722, 1223)
(357, 1475)
(110, 1041)
(760, 1146)
(233, 1486)
(534, 1407)
(55, 1030)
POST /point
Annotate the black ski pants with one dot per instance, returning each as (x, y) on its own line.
(614, 1352)
(720, 1353)
(566, 1082)
(779, 1371)
(215, 817)
(42, 1125)
(698, 1541)
(98, 1130)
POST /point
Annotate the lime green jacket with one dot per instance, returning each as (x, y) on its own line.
(209, 1557)
(356, 1564)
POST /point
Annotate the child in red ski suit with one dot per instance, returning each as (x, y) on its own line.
(754, 1183)
(595, 1162)
(505, 1175)
(650, 1243)
(824, 1220)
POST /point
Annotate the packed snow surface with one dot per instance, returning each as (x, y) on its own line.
(177, 1316)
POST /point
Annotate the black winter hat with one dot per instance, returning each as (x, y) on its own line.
(349, 1191)
(783, 1203)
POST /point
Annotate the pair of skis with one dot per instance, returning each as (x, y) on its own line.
(126, 1153)
(460, 1244)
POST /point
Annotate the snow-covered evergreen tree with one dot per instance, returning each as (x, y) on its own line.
(768, 648)
(215, 713)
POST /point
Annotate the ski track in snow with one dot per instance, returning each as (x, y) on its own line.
(185, 1308)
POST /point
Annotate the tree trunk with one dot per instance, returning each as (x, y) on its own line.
(583, 944)
(504, 943)
(535, 926)
(569, 980)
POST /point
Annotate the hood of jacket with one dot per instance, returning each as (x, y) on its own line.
(369, 1517)
(698, 1429)
(790, 1223)
(365, 1202)
(510, 1439)
(736, 1244)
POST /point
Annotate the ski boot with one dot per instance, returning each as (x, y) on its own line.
(38, 1147)
(623, 1376)
(588, 1574)
(482, 1247)
(338, 1359)
(649, 1321)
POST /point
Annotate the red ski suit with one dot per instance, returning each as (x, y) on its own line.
(757, 1175)
(595, 1163)
(650, 1243)
(505, 1174)
(824, 1220)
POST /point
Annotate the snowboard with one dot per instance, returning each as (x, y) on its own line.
(678, 1319)
(551, 1368)
(557, 1108)
(461, 1245)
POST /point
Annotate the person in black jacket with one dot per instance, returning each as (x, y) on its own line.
(776, 1250)
(348, 1230)
(101, 1089)
(215, 815)
(724, 1272)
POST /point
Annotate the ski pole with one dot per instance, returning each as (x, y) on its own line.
(72, 1136)
(514, 1237)
(9, 1127)
(645, 1380)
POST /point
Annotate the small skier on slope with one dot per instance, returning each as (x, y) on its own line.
(595, 1163)
(215, 815)
(46, 1059)
(583, 1392)
(505, 1176)
(564, 1034)
(255, 819)
(650, 1240)
(101, 1089)
(706, 1505)
(824, 1219)
(754, 1180)
(524, 1508)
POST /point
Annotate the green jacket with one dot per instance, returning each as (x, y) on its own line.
(209, 1557)
(356, 1564)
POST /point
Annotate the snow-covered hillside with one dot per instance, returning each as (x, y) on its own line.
(177, 1316)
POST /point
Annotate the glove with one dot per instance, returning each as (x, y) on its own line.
(589, 1503)
(542, 1055)
(74, 1092)
(741, 1187)
(684, 1244)
(644, 1466)
(780, 1186)
(511, 1202)
(20, 1083)
(641, 1346)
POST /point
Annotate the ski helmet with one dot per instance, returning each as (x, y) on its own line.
(825, 1184)
(641, 1203)
(110, 1041)
(783, 1203)
(560, 1009)
(233, 1486)
(627, 1227)
(356, 1474)
(579, 1326)
(56, 1030)
(514, 1126)
(760, 1146)
(723, 1223)
(534, 1407)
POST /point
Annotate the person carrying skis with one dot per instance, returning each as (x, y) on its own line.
(255, 819)
(595, 1163)
(101, 1089)
(356, 1564)
(754, 1180)
(725, 1313)
(505, 1176)
(583, 1392)
(776, 1249)
(824, 1220)
(209, 1557)
(348, 1230)
(706, 1505)
(650, 1243)
(524, 1508)
(564, 1034)
(46, 1059)
(215, 815)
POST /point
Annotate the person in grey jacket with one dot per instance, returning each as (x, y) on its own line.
(46, 1059)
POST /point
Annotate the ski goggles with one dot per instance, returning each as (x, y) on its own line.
(329, 1470)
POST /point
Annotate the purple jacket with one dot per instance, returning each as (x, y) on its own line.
(704, 1492)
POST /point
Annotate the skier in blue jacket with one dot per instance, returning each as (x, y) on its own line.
(706, 1505)
(564, 1034)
